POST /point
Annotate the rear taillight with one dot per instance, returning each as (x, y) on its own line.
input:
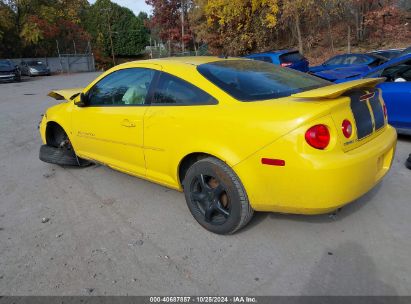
(318, 137)
(384, 108)
(286, 64)
(346, 128)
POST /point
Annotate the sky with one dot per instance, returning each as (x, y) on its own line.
(135, 5)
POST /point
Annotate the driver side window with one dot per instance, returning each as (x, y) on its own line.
(122, 88)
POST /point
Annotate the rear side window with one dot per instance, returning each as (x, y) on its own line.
(171, 90)
(248, 80)
(291, 57)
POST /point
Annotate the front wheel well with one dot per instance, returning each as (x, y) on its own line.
(54, 133)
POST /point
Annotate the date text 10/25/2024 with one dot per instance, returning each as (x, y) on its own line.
(203, 299)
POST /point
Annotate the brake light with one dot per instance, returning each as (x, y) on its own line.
(346, 128)
(286, 64)
(318, 137)
(384, 108)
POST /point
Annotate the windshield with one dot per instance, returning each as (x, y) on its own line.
(5, 63)
(249, 80)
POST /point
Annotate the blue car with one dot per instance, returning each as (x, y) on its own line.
(286, 58)
(360, 62)
(389, 54)
(396, 90)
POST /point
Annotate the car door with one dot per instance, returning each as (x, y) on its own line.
(109, 128)
(396, 91)
(397, 97)
(176, 108)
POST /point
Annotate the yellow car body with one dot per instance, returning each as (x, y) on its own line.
(153, 142)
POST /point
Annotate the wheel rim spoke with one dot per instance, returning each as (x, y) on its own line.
(220, 209)
(208, 213)
(202, 182)
(217, 191)
(198, 196)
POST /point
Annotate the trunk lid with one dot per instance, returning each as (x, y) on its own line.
(359, 102)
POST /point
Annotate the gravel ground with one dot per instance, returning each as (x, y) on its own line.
(107, 233)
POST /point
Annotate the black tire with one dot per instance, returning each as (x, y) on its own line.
(222, 209)
(408, 162)
(59, 150)
(58, 156)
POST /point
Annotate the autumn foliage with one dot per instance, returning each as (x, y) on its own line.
(313, 26)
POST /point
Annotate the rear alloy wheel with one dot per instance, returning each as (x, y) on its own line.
(408, 162)
(216, 197)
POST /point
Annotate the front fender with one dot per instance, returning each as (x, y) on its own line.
(60, 114)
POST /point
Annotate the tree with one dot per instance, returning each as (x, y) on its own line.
(170, 22)
(115, 29)
(292, 13)
(235, 28)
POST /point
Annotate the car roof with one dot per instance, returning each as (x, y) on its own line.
(351, 54)
(190, 60)
(387, 50)
(277, 52)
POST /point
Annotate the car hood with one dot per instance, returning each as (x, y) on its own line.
(66, 94)
(342, 73)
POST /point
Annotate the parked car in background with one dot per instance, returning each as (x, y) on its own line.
(405, 52)
(34, 68)
(359, 62)
(389, 54)
(9, 71)
(285, 58)
(396, 90)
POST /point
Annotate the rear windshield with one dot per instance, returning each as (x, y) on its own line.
(291, 57)
(249, 80)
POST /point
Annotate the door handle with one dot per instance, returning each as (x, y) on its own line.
(127, 123)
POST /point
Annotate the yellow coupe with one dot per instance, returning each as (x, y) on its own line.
(235, 135)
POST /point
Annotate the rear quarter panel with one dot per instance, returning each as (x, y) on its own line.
(231, 130)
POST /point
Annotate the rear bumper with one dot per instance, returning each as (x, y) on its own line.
(318, 182)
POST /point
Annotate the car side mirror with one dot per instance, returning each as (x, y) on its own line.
(82, 101)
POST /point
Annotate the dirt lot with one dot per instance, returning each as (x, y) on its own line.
(113, 234)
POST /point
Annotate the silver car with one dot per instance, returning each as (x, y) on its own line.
(34, 68)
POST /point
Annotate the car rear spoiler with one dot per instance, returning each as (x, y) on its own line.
(336, 90)
(66, 94)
